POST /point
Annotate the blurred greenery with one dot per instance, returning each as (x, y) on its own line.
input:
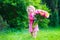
(3, 24)
(13, 16)
(14, 12)
(54, 5)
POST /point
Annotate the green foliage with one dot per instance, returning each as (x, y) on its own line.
(43, 34)
(14, 11)
(44, 23)
(54, 5)
(3, 24)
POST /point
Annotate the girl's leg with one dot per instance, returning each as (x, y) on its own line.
(34, 34)
(35, 30)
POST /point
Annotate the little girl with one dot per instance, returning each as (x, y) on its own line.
(31, 12)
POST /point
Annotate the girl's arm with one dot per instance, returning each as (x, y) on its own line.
(42, 13)
(37, 11)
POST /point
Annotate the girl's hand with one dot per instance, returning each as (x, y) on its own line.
(47, 15)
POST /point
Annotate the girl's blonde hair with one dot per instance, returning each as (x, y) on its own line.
(30, 6)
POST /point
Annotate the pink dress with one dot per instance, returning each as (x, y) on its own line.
(31, 20)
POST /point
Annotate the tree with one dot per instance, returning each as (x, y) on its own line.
(3, 24)
(53, 5)
(14, 11)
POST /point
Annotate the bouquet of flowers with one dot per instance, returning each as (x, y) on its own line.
(41, 15)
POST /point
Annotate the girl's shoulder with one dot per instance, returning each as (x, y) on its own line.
(37, 11)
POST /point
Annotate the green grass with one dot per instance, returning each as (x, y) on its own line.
(43, 34)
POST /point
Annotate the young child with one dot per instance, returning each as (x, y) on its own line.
(31, 12)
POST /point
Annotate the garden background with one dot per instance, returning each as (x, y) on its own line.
(14, 20)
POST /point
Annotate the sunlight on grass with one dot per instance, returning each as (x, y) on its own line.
(45, 34)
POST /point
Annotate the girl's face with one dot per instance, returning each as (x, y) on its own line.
(31, 10)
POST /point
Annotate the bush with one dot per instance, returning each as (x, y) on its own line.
(14, 11)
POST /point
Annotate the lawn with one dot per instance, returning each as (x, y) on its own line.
(43, 34)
